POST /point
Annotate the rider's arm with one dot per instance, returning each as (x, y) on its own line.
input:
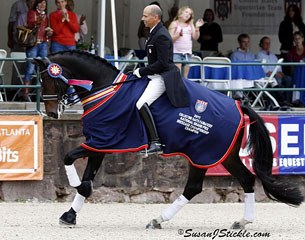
(162, 48)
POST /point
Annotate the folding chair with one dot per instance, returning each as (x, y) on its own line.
(193, 74)
(214, 83)
(129, 66)
(3, 54)
(263, 83)
(21, 58)
(145, 59)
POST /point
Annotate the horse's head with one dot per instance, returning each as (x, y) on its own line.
(53, 90)
(58, 69)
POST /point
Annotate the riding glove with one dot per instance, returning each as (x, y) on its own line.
(137, 72)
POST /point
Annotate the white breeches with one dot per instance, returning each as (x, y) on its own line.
(153, 91)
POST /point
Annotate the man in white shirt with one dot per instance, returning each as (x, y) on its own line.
(283, 80)
(243, 52)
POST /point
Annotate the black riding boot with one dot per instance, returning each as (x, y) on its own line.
(155, 145)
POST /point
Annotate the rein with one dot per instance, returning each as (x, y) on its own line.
(112, 84)
(73, 94)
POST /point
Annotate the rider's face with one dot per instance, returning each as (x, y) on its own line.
(149, 19)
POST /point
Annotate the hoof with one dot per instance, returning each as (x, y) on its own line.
(68, 218)
(241, 224)
(153, 224)
(237, 225)
(85, 189)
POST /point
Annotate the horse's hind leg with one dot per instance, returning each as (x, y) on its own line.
(192, 188)
(84, 188)
(246, 179)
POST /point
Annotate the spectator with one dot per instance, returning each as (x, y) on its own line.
(183, 31)
(18, 8)
(81, 19)
(243, 52)
(18, 17)
(283, 81)
(37, 16)
(143, 33)
(64, 24)
(22, 18)
(210, 34)
(297, 53)
(292, 22)
(172, 13)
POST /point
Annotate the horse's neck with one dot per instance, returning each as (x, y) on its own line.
(100, 72)
(105, 81)
(98, 85)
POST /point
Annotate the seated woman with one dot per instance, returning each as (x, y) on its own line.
(297, 53)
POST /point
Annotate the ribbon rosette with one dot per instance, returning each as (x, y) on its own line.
(55, 71)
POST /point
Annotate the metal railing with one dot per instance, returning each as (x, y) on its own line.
(37, 86)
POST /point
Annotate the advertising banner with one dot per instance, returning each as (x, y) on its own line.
(287, 138)
(21, 147)
(256, 16)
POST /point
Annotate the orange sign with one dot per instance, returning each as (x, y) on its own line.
(21, 152)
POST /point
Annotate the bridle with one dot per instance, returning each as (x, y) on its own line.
(64, 98)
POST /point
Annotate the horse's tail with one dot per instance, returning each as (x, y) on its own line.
(259, 142)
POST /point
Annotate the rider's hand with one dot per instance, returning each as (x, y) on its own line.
(137, 72)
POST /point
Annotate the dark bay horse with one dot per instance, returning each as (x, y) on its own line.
(114, 126)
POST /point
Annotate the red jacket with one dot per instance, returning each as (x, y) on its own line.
(64, 31)
(40, 20)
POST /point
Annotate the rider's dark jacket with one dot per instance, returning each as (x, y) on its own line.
(159, 48)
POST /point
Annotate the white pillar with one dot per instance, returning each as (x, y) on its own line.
(101, 27)
(114, 33)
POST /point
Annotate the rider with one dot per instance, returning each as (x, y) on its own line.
(159, 48)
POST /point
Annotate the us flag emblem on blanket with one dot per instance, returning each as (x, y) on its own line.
(200, 106)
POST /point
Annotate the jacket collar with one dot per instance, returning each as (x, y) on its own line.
(155, 29)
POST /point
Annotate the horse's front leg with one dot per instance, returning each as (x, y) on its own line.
(192, 188)
(84, 187)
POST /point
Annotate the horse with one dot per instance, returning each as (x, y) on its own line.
(111, 123)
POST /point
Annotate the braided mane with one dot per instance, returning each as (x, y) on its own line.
(83, 54)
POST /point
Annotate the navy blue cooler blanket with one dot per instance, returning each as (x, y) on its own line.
(204, 133)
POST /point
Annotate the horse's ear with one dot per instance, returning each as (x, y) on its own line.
(39, 61)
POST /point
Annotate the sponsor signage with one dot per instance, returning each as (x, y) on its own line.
(21, 151)
(287, 138)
